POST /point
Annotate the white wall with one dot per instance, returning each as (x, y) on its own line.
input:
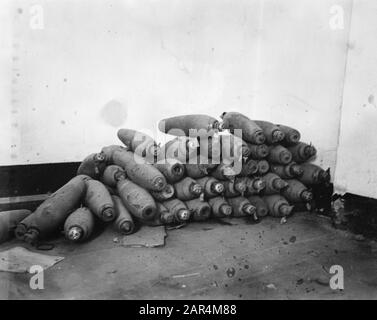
(301, 69)
(98, 65)
(6, 130)
(356, 169)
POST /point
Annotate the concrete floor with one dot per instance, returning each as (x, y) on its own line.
(268, 260)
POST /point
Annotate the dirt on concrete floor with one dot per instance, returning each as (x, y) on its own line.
(268, 260)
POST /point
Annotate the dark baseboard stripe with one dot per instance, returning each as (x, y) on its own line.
(23, 202)
(35, 179)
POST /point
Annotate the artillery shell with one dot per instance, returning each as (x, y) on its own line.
(233, 147)
(250, 167)
(108, 152)
(220, 207)
(172, 169)
(139, 171)
(200, 210)
(112, 174)
(258, 152)
(93, 165)
(295, 191)
(259, 204)
(288, 171)
(53, 212)
(224, 172)
(178, 208)
(9, 221)
(199, 167)
(302, 152)
(163, 217)
(263, 167)
(241, 207)
(98, 200)
(272, 132)
(251, 132)
(192, 125)
(137, 200)
(255, 185)
(180, 148)
(277, 205)
(210, 147)
(139, 142)
(273, 183)
(187, 189)
(313, 174)
(279, 155)
(79, 225)
(291, 135)
(165, 194)
(235, 188)
(211, 187)
(124, 222)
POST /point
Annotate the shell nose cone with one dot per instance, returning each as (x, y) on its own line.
(286, 157)
(219, 187)
(250, 209)
(297, 170)
(226, 210)
(259, 184)
(100, 157)
(75, 233)
(245, 151)
(259, 137)
(184, 215)
(108, 214)
(262, 212)
(159, 183)
(126, 227)
(178, 169)
(294, 137)
(277, 136)
(168, 191)
(324, 176)
(280, 183)
(263, 151)
(307, 196)
(310, 151)
(197, 188)
(240, 187)
(286, 210)
(149, 212)
(31, 236)
(20, 231)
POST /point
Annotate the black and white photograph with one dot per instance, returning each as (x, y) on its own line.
(188, 155)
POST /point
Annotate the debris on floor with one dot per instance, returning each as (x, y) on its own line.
(19, 260)
(227, 270)
(195, 274)
(148, 237)
(271, 286)
(356, 214)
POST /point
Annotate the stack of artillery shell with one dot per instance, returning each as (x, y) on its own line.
(233, 167)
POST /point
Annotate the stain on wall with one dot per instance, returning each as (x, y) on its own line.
(114, 113)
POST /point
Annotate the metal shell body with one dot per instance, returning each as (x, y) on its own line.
(137, 200)
(9, 221)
